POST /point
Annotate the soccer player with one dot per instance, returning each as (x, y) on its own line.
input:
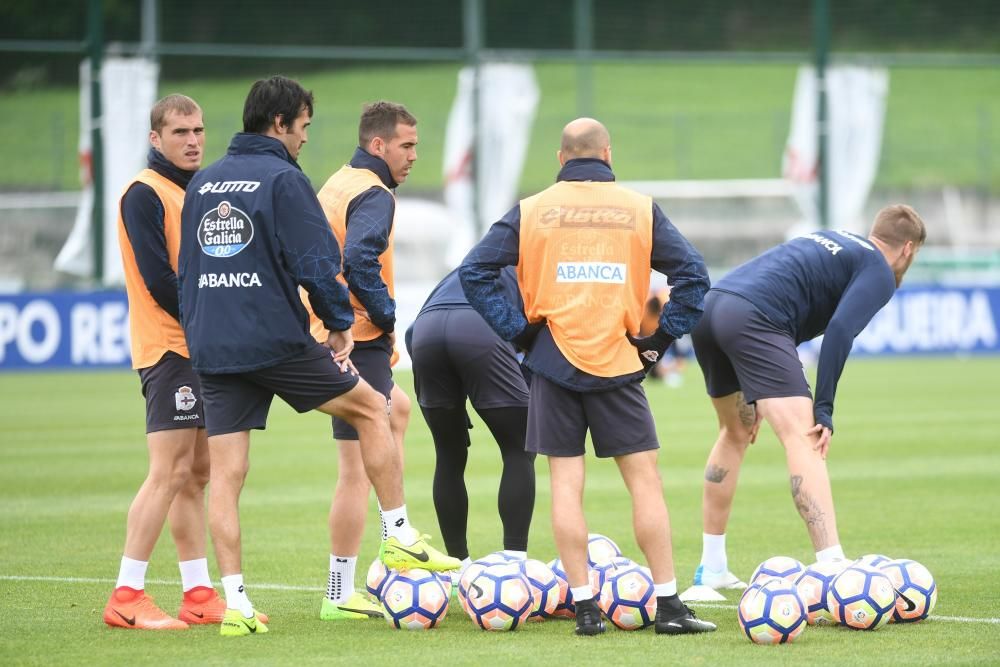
(829, 283)
(360, 205)
(149, 219)
(252, 233)
(584, 249)
(456, 355)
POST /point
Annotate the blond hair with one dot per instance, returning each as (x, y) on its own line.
(895, 225)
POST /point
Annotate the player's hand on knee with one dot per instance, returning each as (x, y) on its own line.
(824, 434)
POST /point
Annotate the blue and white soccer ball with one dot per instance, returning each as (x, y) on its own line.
(872, 560)
(601, 550)
(861, 598)
(777, 567)
(599, 573)
(627, 596)
(565, 607)
(814, 587)
(916, 590)
(544, 588)
(414, 600)
(499, 597)
(771, 612)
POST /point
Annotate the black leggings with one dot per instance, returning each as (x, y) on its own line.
(516, 498)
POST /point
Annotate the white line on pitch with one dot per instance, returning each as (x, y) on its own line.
(287, 587)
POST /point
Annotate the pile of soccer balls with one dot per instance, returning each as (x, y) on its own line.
(501, 593)
(784, 596)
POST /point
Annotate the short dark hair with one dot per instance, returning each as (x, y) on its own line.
(897, 224)
(379, 119)
(270, 98)
(175, 103)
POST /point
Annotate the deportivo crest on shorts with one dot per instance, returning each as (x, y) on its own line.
(185, 399)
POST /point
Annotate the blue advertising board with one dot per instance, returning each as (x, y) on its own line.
(90, 329)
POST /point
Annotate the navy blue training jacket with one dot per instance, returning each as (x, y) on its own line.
(252, 231)
(828, 282)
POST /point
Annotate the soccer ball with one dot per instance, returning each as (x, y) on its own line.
(497, 557)
(601, 550)
(771, 612)
(499, 597)
(544, 588)
(872, 560)
(470, 573)
(777, 567)
(627, 597)
(861, 598)
(598, 574)
(375, 581)
(565, 607)
(916, 591)
(414, 600)
(814, 586)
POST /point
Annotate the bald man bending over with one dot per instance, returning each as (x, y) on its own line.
(584, 249)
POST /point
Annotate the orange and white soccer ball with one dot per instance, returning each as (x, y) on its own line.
(414, 600)
(771, 612)
(916, 590)
(499, 598)
(375, 580)
(814, 586)
(861, 598)
(544, 588)
(627, 597)
(777, 567)
(565, 608)
(601, 549)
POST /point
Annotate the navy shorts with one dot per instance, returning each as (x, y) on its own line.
(173, 394)
(457, 355)
(372, 359)
(739, 349)
(619, 420)
(240, 401)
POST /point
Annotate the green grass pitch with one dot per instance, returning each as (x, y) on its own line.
(914, 467)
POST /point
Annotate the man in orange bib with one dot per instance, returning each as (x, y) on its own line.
(584, 249)
(360, 204)
(149, 219)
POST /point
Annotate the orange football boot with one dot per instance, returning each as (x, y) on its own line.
(202, 604)
(132, 609)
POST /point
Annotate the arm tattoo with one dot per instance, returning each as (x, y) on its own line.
(748, 413)
(714, 473)
(811, 513)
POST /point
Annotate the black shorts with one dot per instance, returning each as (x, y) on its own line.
(619, 420)
(172, 393)
(739, 349)
(240, 401)
(457, 355)
(372, 359)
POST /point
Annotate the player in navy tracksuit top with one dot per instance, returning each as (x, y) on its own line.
(456, 356)
(252, 231)
(829, 283)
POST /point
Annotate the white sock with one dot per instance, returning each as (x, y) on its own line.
(236, 595)
(466, 562)
(518, 555)
(836, 552)
(385, 533)
(194, 573)
(398, 525)
(132, 573)
(581, 593)
(665, 590)
(340, 587)
(713, 552)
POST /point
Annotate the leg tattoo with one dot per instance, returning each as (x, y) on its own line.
(811, 513)
(748, 413)
(714, 473)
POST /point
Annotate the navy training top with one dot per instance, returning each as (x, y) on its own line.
(827, 282)
(252, 232)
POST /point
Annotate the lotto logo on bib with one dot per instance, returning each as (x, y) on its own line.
(224, 231)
